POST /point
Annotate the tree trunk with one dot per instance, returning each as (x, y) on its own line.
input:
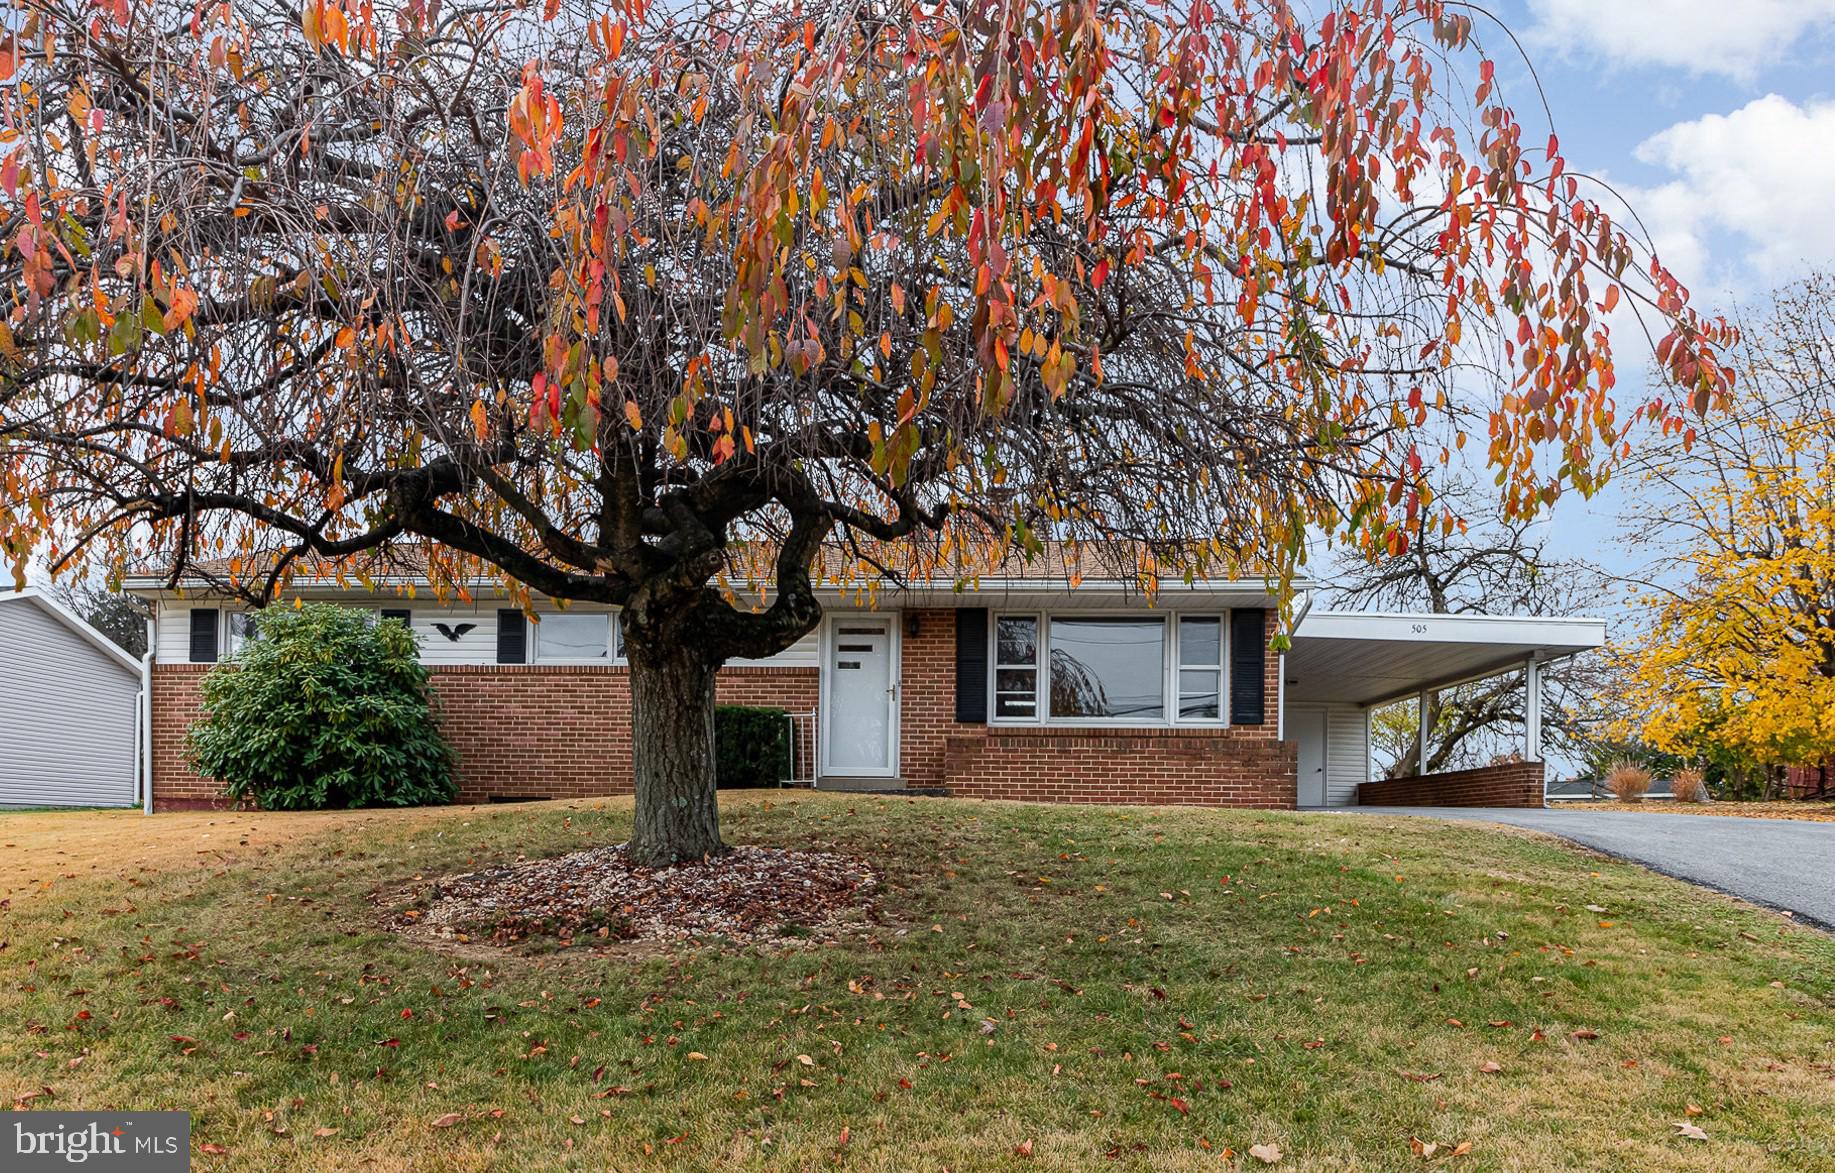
(672, 751)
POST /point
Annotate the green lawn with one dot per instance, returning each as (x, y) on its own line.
(1153, 986)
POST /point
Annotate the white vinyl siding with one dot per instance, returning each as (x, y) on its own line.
(450, 633)
(1347, 751)
(67, 712)
(1347, 754)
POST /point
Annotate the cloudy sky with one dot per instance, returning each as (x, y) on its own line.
(1715, 119)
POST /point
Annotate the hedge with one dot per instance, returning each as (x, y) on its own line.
(751, 746)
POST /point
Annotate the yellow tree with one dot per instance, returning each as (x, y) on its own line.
(600, 297)
(1737, 655)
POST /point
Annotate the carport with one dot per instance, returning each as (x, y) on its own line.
(1343, 666)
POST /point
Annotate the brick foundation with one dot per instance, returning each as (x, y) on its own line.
(1517, 784)
(1149, 766)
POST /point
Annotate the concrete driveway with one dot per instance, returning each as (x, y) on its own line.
(1779, 863)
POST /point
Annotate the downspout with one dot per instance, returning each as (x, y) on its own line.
(1280, 686)
(140, 704)
(146, 721)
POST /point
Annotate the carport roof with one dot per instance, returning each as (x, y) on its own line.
(1370, 658)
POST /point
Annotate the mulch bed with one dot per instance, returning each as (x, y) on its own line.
(750, 895)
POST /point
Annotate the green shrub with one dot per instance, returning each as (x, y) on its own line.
(751, 746)
(325, 709)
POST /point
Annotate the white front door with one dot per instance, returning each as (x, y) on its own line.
(1309, 732)
(860, 684)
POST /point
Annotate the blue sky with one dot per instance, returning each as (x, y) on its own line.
(1715, 119)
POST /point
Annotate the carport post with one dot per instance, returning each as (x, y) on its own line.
(1421, 709)
(1532, 710)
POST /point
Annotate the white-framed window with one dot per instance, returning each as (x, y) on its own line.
(239, 629)
(1109, 668)
(575, 637)
(1201, 672)
(1106, 668)
(1016, 667)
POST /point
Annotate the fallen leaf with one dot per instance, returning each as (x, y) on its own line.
(1693, 1109)
(1583, 1033)
(1690, 1131)
(1267, 1154)
(1422, 1148)
(324, 1132)
(696, 1055)
(215, 1150)
(1489, 1068)
(1023, 1148)
(448, 1120)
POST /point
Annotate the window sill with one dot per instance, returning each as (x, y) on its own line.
(1118, 729)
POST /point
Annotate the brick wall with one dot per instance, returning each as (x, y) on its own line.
(1175, 767)
(1238, 766)
(520, 731)
(1514, 784)
(529, 731)
(927, 695)
(175, 707)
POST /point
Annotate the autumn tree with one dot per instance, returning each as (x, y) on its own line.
(648, 304)
(1735, 659)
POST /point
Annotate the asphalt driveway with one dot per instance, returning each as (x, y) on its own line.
(1775, 862)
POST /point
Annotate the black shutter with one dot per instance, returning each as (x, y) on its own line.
(406, 617)
(972, 665)
(1248, 658)
(204, 624)
(512, 637)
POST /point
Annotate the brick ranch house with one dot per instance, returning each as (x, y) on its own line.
(1036, 685)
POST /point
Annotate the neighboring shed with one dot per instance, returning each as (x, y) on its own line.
(69, 707)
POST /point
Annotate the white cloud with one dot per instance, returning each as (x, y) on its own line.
(1729, 37)
(1758, 180)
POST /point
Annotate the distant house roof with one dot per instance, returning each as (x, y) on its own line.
(33, 597)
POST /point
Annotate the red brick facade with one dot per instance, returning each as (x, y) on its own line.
(565, 732)
(1516, 784)
(1239, 766)
(523, 731)
(1157, 766)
